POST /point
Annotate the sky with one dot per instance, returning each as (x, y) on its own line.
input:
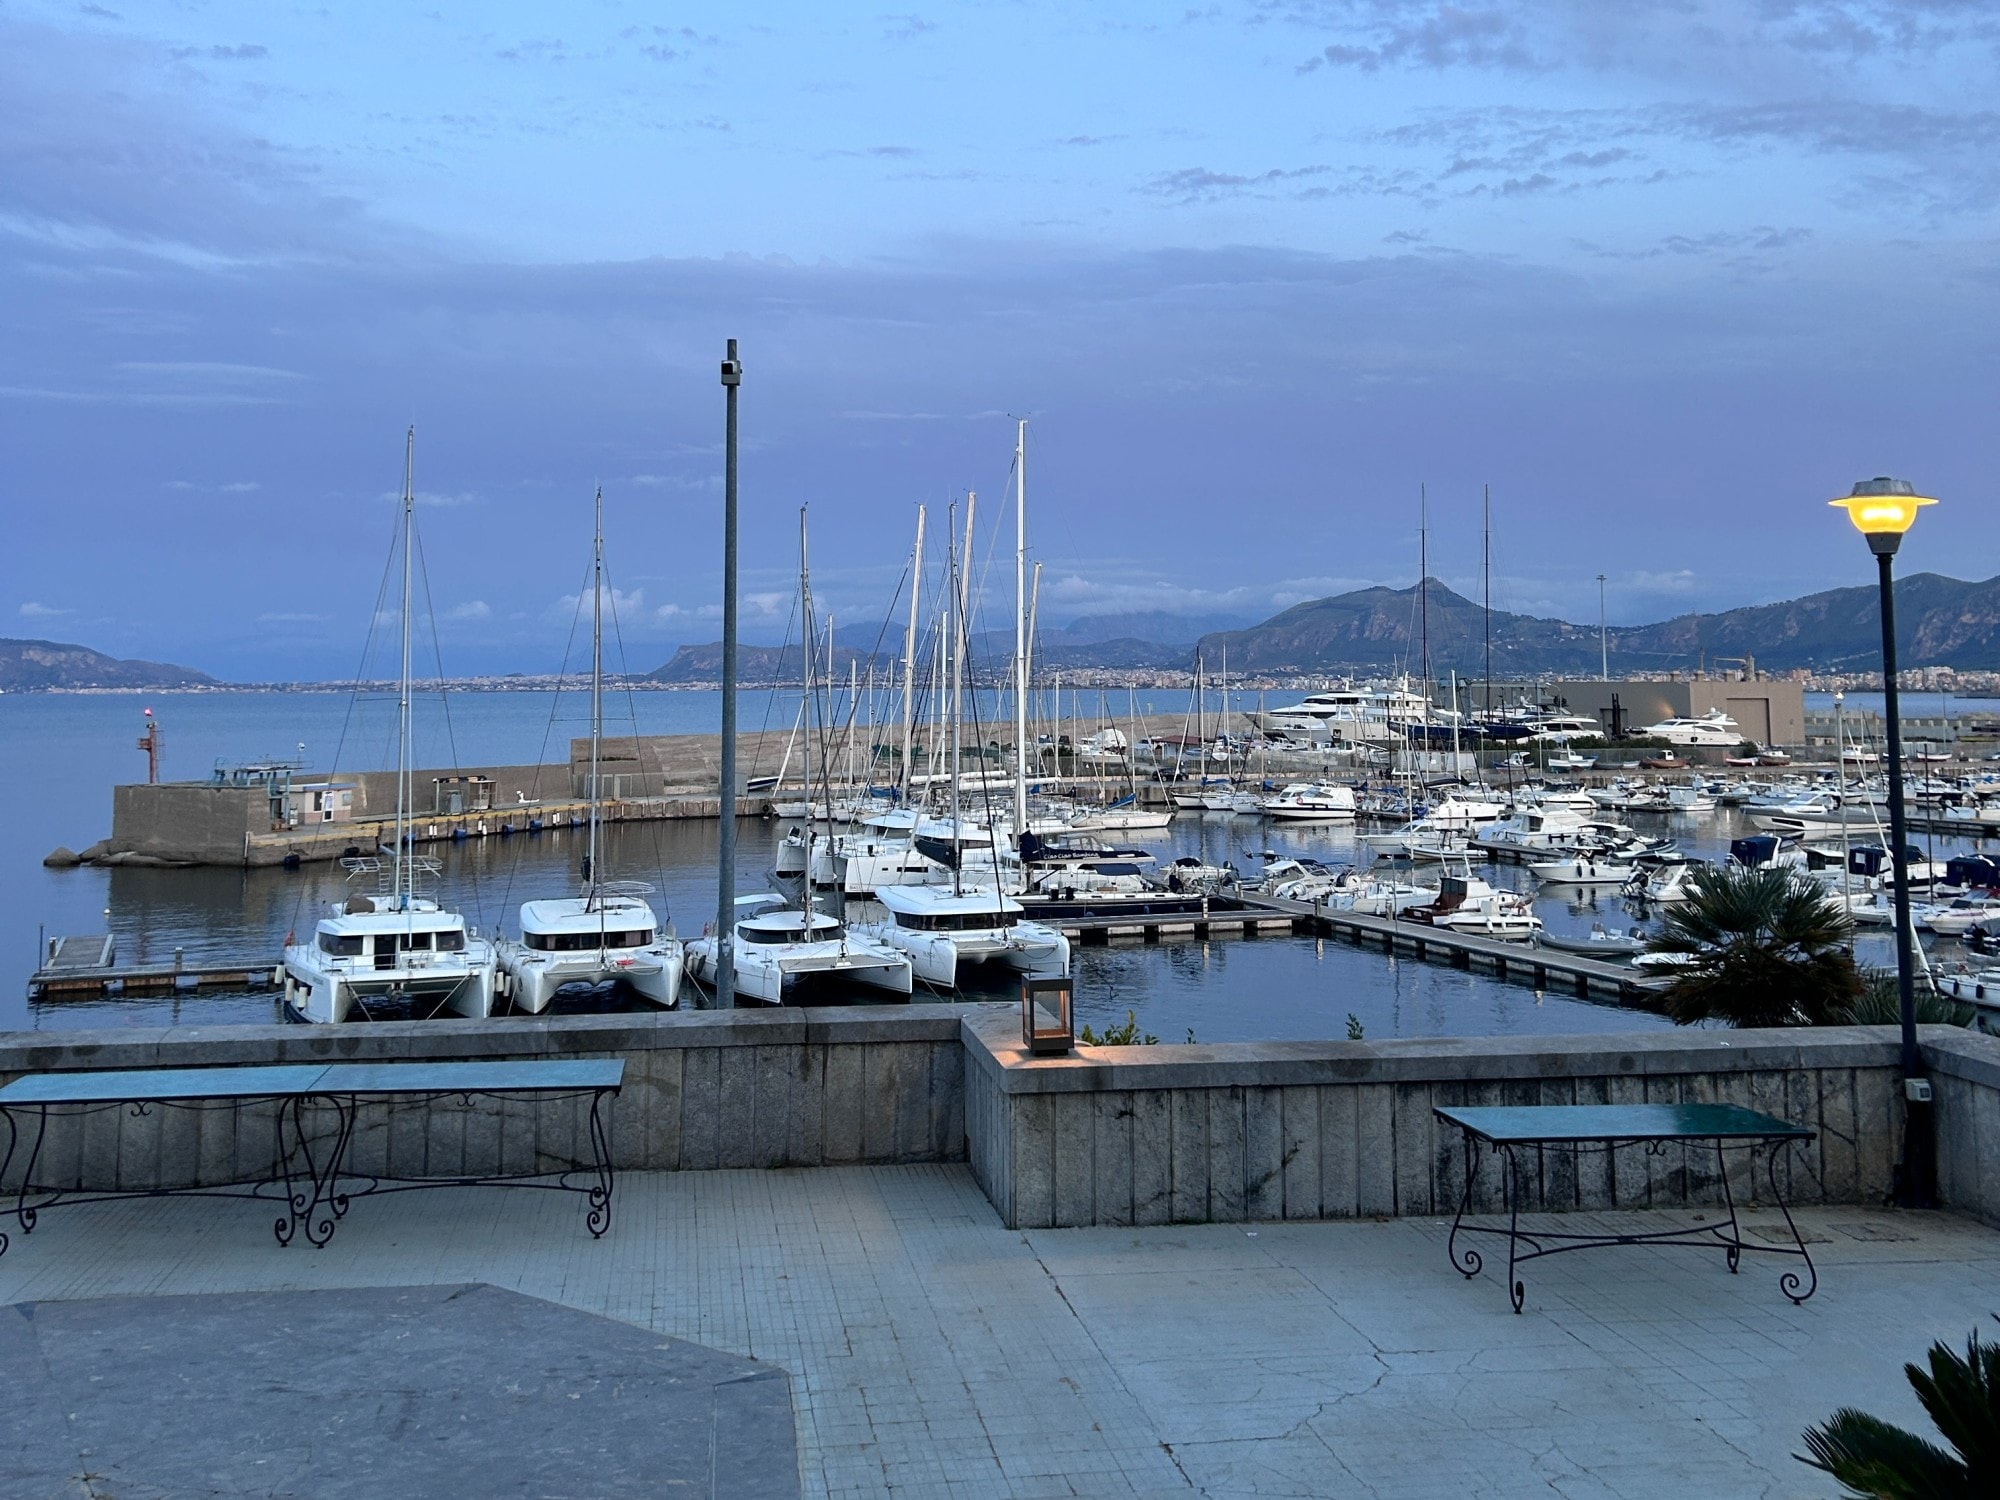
(1666, 275)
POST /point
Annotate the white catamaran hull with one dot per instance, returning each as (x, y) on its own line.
(790, 978)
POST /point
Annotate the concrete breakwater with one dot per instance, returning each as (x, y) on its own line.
(1108, 1135)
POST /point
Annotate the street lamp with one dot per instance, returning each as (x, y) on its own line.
(1882, 509)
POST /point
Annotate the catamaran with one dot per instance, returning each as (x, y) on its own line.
(396, 948)
(609, 933)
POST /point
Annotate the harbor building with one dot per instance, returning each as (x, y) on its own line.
(1770, 711)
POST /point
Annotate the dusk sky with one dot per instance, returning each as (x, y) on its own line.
(1667, 274)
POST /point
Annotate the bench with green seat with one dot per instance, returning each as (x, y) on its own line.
(1513, 1130)
(310, 1180)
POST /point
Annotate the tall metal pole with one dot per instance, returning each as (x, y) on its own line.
(1021, 630)
(725, 861)
(1916, 1187)
(1603, 637)
(910, 653)
(596, 698)
(405, 869)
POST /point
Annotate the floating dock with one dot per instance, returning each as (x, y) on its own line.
(79, 968)
(1518, 963)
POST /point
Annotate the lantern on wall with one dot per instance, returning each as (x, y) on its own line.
(1047, 1021)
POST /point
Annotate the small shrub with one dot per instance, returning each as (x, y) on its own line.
(1355, 1032)
(1127, 1035)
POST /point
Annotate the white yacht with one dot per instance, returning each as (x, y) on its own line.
(608, 934)
(944, 930)
(1466, 903)
(786, 957)
(397, 947)
(1310, 802)
(1714, 728)
(1347, 715)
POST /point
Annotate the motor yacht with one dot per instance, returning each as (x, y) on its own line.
(1310, 802)
(1714, 729)
(1465, 903)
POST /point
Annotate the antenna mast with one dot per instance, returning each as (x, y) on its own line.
(1020, 628)
(596, 693)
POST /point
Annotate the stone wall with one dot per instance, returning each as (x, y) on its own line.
(1965, 1083)
(187, 820)
(703, 1089)
(1312, 1130)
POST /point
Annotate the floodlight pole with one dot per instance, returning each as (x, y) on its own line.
(725, 897)
(1916, 1184)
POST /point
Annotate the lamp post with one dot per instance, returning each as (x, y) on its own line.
(1882, 509)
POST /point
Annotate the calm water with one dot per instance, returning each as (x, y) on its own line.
(64, 753)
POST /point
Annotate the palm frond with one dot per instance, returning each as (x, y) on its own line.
(1881, 1461)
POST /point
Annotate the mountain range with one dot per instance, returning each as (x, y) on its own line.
(28, 666)
(1941, 622)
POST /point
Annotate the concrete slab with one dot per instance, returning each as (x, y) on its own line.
(438, 1390)
(934, 1353)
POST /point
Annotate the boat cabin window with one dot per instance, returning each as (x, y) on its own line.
(580, 942)
(820, 934)
(952, 921)
(342, 947)
(450, 940)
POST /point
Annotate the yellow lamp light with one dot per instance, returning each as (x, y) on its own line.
(1883, 507)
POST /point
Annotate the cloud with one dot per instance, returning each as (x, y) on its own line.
(242, 52)
(1198, 184)
(1425, 36)
(287, 617)
(906, 28)
(34, 611)
(472, 609)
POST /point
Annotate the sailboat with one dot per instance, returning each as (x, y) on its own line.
(609, 932)
(941, 929)
(396, 947)
(788, 955)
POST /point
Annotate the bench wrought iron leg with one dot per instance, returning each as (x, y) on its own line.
(1466, 1262)
(13, 1138)
(298, 1202)
(1515, 1290)
(23, 1210)
(599, 1217)
(1729, 1202)
(1791, 1281)
(326, 1182)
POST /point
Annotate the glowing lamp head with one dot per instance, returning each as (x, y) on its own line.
(1882, 509)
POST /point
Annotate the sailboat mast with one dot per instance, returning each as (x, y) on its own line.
(910, 653)
(596, 690)
(1020, 628)
(1424, 600)
(405, 872)
(807, 647)
(1486, 566)
(956, 625)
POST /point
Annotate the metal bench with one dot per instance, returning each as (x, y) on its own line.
(310, 1180)
(1578, 1128)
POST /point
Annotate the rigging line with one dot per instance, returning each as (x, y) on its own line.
(354, 691)
(444, 698)
(542, 755)
(854, 703)
(770, 695)
(723, 809)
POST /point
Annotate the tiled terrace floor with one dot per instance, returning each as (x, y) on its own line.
(935, 1353)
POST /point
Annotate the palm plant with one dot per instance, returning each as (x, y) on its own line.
(1879, 1460)
(1764, 947)
(1880, 1003)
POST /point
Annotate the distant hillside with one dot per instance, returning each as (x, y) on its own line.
(1941, 622)
(26, 666)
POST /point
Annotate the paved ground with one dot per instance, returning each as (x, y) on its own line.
(934, 1353)
(358, 1393)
